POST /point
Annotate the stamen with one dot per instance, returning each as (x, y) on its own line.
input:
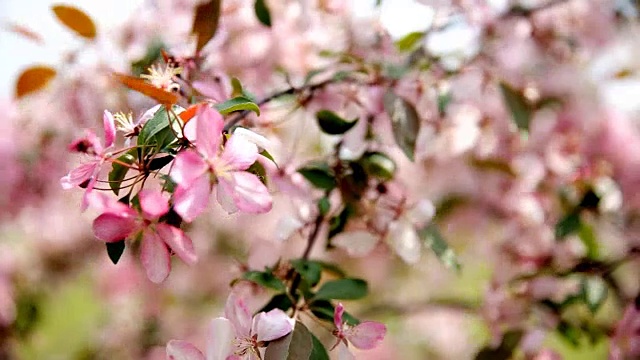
(163, 78)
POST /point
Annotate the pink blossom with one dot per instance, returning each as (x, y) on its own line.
(365, 336)
(625, 343)
(236, 336)
(90, 145)
(118, 221)
(194, 171)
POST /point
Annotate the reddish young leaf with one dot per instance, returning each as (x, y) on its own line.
(205, 22)
(141, 86)
(76, 20)
(190, 112)
(33, 79)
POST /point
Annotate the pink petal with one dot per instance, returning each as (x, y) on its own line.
(187, 167)
(79, 175)
(111, 227)
(153, 204)
(209, 131)
(214, 90)
(220, 340)
(239, 153)
(272, 325)
(237, 312)
(248, 193)
(109, 129)
(178, 241)
(182, 350)
(89, 144)
(107, 204)
(189, 202)
(155, 257)
(337, 316)
(366, 335)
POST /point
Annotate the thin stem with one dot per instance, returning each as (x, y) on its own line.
(116, 181)
(290, 91)
(311, 240)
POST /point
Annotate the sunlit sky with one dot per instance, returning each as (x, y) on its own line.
(16, 52)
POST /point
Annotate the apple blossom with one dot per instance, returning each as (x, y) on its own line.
(118, 221)
(196, 171)
(238, 335)
(88, 172)
(365, 336)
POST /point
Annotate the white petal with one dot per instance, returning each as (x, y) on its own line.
(403, 239)
(259, 140)
(356, 243)
(220, 341)
(421, 213)
(237, 312)
(272, 325)
(182, 350)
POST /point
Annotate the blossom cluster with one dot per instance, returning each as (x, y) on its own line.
(492, 146)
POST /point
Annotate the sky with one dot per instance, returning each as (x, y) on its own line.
(17, 53)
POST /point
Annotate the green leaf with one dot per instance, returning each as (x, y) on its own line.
(443, 102)
(341, 75)
(279, 301)
(588, 237)
(239, 103)
(434, 240)
(318, 352)
(258, 170)
(262, 12)
(324, 205)
(409, 41)
(324, 310)
(594, 292)
(517, 104)
(309, 270)
(332, 124)
(237, 87)
(239, 91)
(338, 222)
(158, 163)
(568, 225)
(205, 22)
(405, 122)
(319, 175)
(331, 268)
(343, 289)
(379, 165)
(297, 345)
(572, 334)
(156, 135)
(311, 74)
(394, 71)
(169, 185)
(115, 250)
(119, 170)
(510, 342)
(266, 279)
(266, 154)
